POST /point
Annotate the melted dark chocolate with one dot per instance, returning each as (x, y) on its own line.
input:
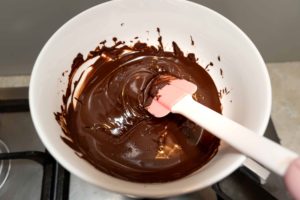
(110, 128)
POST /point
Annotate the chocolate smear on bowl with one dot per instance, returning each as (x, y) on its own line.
(104, 120)
(192, 41)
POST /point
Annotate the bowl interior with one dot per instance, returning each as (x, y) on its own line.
(244, 75)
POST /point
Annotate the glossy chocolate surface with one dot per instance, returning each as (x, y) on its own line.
(109, 127)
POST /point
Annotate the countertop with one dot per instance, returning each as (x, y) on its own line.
(285, 81)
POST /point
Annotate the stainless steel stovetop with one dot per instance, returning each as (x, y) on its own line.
(34, 174)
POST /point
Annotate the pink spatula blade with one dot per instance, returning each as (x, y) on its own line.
(169, 95)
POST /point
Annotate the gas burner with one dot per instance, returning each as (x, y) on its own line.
(4, 164)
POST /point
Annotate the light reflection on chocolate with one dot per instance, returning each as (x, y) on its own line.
(106, 123)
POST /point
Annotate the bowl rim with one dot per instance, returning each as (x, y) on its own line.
(147, 191)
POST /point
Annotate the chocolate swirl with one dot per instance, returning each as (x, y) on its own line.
(104, 120)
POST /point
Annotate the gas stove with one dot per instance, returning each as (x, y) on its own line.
(29, 172)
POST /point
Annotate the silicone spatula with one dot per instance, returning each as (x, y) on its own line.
(176, 97)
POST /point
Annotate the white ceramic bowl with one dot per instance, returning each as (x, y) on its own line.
(245, 75)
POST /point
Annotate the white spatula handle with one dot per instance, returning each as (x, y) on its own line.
(261, 149)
